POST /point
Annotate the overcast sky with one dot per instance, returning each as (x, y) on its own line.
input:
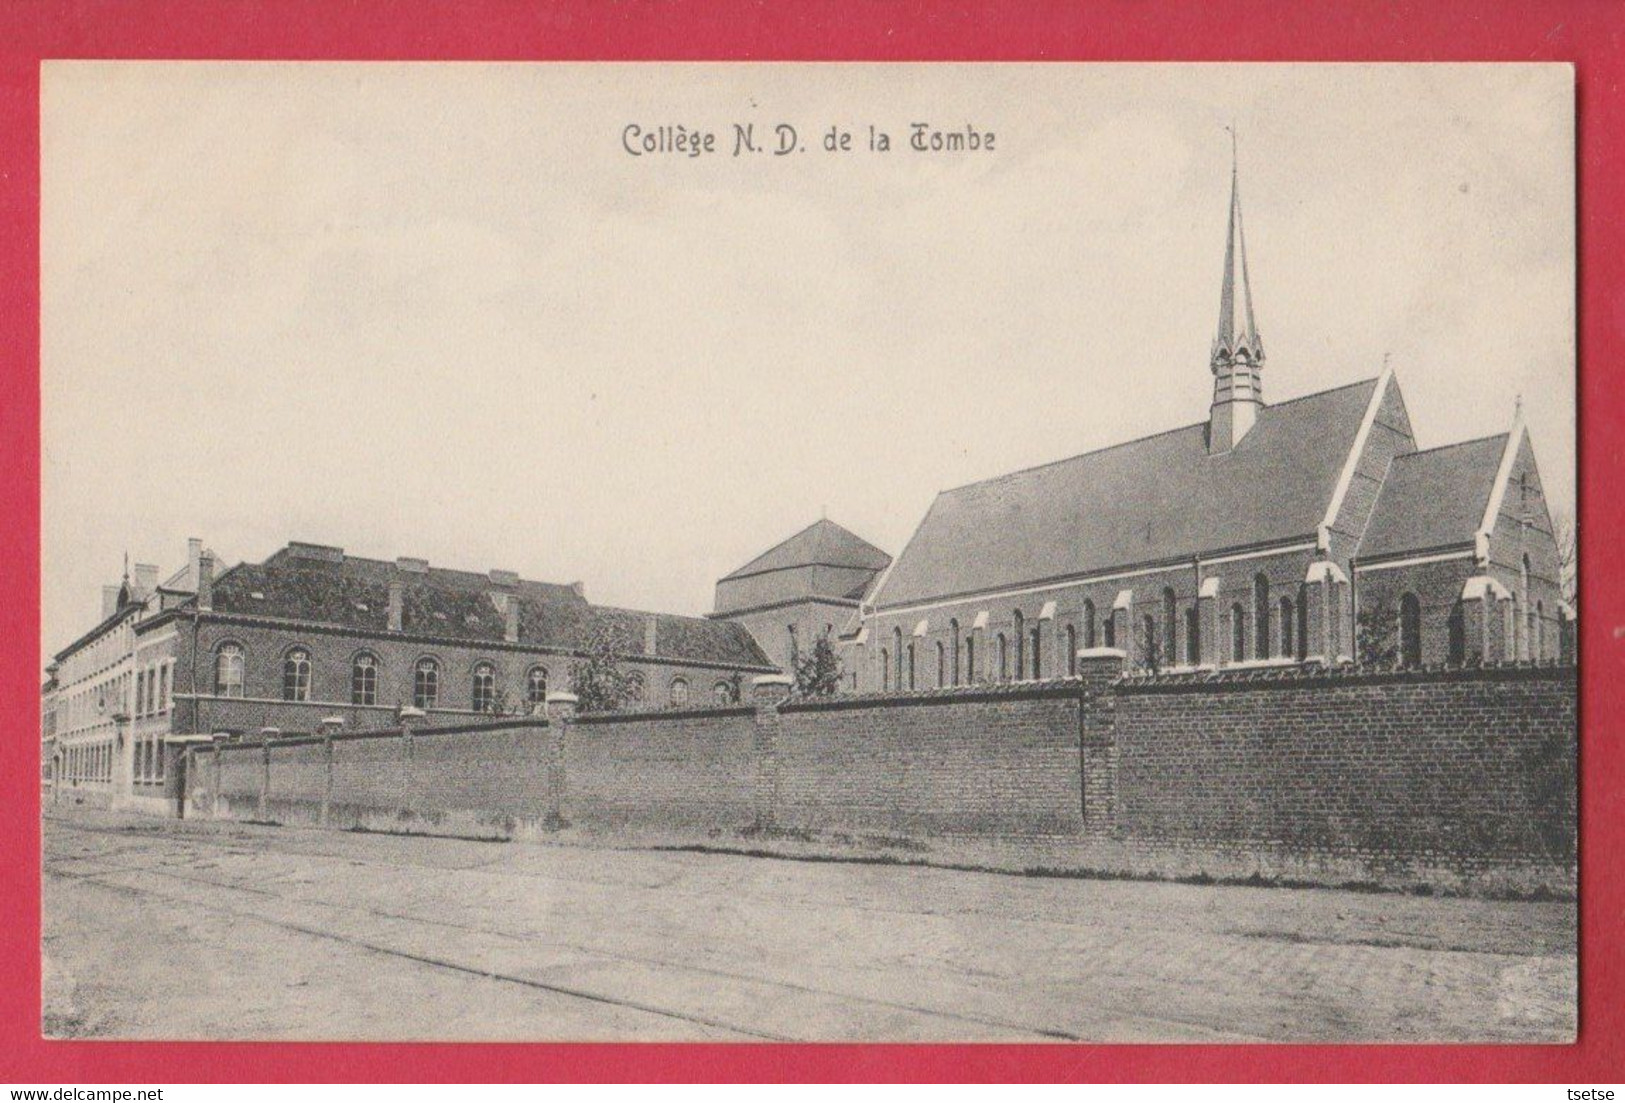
(436, 310)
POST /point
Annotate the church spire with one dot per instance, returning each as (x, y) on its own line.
(1238, 352)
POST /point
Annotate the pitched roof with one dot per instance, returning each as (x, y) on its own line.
(353, 592)
(1433, 499)
(1150, 500)
(822, 543)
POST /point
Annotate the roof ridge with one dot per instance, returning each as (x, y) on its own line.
(1454, 444)
(1143, 439)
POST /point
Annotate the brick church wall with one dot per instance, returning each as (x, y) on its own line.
(670, 769)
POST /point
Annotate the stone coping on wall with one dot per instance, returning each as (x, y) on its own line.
(294, 739)
(1315, 674)
(945, 695)
(630, 716)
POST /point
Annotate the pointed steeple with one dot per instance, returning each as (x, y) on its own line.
(1238, 351)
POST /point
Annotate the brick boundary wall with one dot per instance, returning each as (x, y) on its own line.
(1459, 780)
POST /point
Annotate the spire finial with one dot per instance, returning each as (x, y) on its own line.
(1517, 407)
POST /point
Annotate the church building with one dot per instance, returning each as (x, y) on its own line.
(1305, 531)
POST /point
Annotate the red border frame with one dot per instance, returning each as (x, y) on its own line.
(1588, 33)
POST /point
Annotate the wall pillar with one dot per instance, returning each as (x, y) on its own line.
(768, 692)
(330, 726)
(560, 710)
(1098, 667)
(219, 776)
(266, 735)
(1568, 637)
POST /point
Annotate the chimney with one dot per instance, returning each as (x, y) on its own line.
(397, 603)
(205, 581)
(109, 601)
(651, 636)
(510, 612)
(146, 580)
(194, 548)
(580, 589)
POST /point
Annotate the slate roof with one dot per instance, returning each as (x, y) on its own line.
(822, 543)
(353, 592)
(1433, 499)
(1151, 500)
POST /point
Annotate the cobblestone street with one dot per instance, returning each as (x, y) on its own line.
(158, 929)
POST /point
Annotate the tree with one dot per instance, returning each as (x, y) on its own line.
(1375, 636)
(599, 683)
(818, 672)
(1568, 551)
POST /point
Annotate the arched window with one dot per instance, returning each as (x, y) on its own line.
(953, 628)
(1261, 615)
(483, 690)
(1238, 633)
(1193, 636)
(1287, 648)
(426, 684)
(910, 664)
(1458, 636)
(228, 670)
(970, 659)
(1088, 623)
(1004, 659)
(1020, 634)
(885, 669)
(942, 665)
(1071, 651)
(1036, 636)
(364, 679)
(723, 692)
(1537, 650)
(679, 693)
(536, 686)
(636, 689)
(1110, 630)
(897, 653)
(295, 675)
(1170, 627)
(1410, 631)
(1149, 654)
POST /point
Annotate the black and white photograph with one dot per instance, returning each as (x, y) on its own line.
(747, 552)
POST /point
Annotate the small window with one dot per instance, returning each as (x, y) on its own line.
(679, 693)
(910, 664)
(942, 665)
(296, 675)
(885, 669)
(1261, 615)
(1071, 650)
(536, 686)
(163, 688)
(1288, 645)
(1020, 634)
(635, 689)
(1004, 659)
(970, 659)
(1193, 635)
(483, 692)
(1038, 664)
(723, 692)
(426, 684)
(1238, 633)
(364, 680)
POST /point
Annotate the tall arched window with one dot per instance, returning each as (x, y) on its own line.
(228, 670)
(1170, 627)
(1287, 647)
(1193, 635)
(1020, 633)
(1261, 615)
(483, 688)
(426, 684)
(1538, 649)
(536, 686)
(295, 675)
(885, 669)
(1458, 636)
(1004, 659)
(1071, 651)
(910, 664)
(1531, 626)
(1110, 633)
(953, 628)
(679, 693)
(1088, 623)
(1410, 631)
(723, 692)
(1034, 641)
(1149, 654)
(364, 679)
(897, 653)
(970, 659)
(1238, 633)
(942, 665)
